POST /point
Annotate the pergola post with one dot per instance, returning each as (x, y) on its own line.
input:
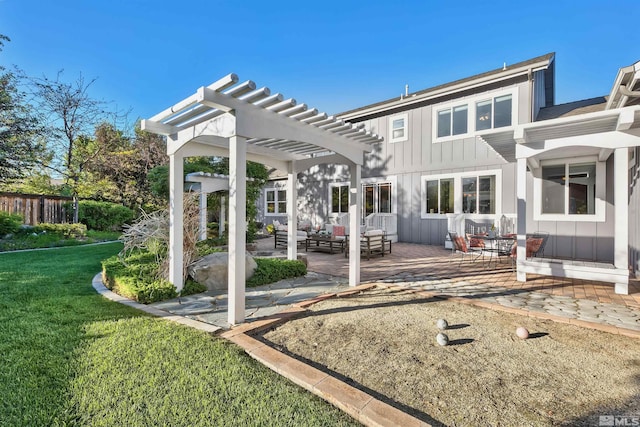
(176, 219)
(292, 213)
(621, 214)
(237, 228)
(521, 194)
(355, 208)
(203, 214)
(223, 217)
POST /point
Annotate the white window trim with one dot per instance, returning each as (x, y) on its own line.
(405, 117)
(471, 114)
(330, 201)
(275, 188)
(601, 190)
(457, 191)
(393, 180)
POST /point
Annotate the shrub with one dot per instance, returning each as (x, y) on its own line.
(67, 231)
(9, 223)
(134, 278)
(271, 270)
(104, 216)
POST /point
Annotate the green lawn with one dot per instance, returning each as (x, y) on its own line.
(70, 357)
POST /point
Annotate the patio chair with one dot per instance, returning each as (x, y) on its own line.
(537, 245)
(372, 242)
(533, 246)
(460, 245)
(282, 238)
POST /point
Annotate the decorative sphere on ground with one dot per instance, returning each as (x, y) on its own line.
(522, 333)
(442, 324)
(442, 339)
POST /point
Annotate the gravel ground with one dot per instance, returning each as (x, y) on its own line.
(384, 341)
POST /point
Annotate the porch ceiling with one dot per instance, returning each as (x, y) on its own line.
(274, 128)
(567, 132)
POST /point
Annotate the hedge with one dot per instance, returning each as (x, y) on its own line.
(103, 216)
(271, 270)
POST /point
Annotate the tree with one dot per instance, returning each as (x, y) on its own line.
(121, 168)
(71, 115)
(21, 145)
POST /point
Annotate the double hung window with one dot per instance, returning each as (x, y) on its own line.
(398, 126)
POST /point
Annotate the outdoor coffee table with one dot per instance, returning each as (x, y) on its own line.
(324, 243)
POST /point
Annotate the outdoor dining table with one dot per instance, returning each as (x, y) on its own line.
(495, 244)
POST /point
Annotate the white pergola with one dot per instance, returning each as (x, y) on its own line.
(205, 183)
(599, 134)
(237, 121)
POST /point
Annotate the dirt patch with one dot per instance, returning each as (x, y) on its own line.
(384, 341)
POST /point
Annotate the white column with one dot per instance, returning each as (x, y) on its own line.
(176, 220)
(355, 209)
(292, 212)
(521, 192)
(223, 217)
(237, 227)
(203, 214)
(621, 213)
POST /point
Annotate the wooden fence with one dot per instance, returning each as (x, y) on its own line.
(35, 208)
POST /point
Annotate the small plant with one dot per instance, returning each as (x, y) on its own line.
(66, 231)
(9, 223)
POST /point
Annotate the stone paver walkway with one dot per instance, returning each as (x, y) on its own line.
(211, 306)
(586, 310)
(422, 268)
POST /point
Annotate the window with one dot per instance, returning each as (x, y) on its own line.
(479, 194)
(276, 201)
(440, 196)
(340, 199)
(398, 128)
(494, 113)
(464, 192)
(452, 121)
(458, 120)
(569, 188)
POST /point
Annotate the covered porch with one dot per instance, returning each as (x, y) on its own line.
(592, 151)
(243, 123)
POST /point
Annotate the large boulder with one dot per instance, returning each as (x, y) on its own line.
(213, 271)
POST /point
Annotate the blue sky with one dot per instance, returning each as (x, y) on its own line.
(335, 56)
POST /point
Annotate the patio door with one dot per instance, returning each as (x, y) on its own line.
(376, 198)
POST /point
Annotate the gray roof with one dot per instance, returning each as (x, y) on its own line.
(532, 61)
(573, 108)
